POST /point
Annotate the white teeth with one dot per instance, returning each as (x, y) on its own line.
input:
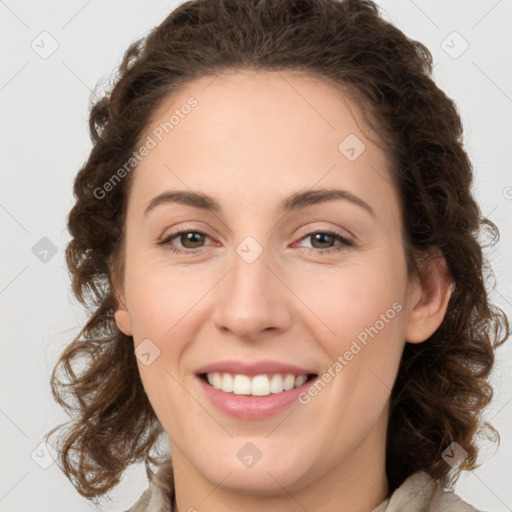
(300, 380)
(276, 384)
(227, 383)
(259, 385)
(241, 385)
(289, 382)
(217, 380)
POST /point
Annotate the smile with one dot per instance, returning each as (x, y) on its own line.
(256, 385)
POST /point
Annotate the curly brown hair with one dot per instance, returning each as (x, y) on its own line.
(442, 385)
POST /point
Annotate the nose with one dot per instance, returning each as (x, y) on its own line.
(253, 299)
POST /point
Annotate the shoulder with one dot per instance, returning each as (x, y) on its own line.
(421, 493)
(159, 496)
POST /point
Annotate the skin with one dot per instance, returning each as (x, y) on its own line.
(253, 139)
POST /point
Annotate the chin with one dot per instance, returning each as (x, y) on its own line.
(266, 476)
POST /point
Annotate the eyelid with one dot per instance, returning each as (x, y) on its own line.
(172, 230)
(342, 232)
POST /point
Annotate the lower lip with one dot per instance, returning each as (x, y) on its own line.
(252, 407)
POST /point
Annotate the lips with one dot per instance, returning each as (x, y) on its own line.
(255, 379)
(251, 369)
(253, 390)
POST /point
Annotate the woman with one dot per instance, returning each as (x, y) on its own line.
(277, 239)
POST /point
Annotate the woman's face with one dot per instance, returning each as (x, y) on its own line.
(259, 290)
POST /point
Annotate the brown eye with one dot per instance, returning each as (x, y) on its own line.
(323, 242)
(184, 241)
(324, 239)
(194, 238)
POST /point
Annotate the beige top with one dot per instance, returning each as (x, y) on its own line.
(419, 493)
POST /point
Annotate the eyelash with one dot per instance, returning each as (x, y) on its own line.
(343, 245)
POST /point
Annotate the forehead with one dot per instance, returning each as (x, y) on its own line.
(241, 103)
(258, 133)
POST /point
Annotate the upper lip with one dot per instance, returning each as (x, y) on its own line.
(251, 368)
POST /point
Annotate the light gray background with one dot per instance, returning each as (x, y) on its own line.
(44, 141)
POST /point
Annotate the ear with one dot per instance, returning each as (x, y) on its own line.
(122, 319)
(428, 299)
(121, 314)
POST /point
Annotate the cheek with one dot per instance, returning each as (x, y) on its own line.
(348, 300)
(161, 301)
(361, 327)
(159, 297)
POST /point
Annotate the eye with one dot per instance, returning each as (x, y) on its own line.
(325, 239)
(190, 240)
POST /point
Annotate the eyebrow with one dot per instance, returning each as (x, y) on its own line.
(296, 201)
